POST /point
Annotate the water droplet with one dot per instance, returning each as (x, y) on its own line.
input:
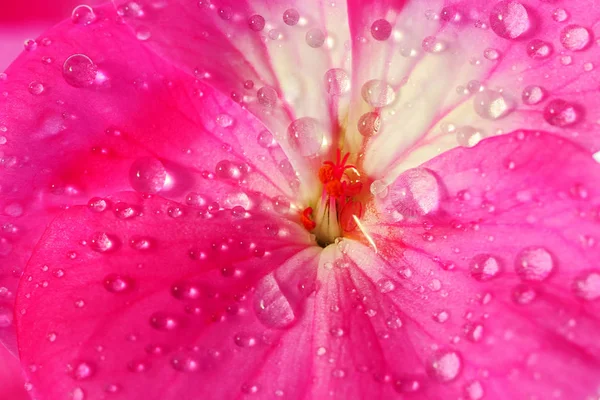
(369, 124)
(147, 175)
(523, 294)
(79, 71)
(560, 15)
(36, 88)
(381, 30)
(102, 242)
(267, 96)
(474, 391)
(575, 37)
(97, 204)
(337, 81)
(224, 120)
(226, 13)
(445, 366)
(450, 14)
(315, 38)
(534, 264)
(265, 139)
(244, 340)
(83, 15)
(386, 285)
(291, 16)
(305, 135)
(587, 286)
(415, 192)
(83, 370)
(185, 291)
(485, 267)
(256, 23)
(433, 45)
(185, 363)
(509, 19)
(116, 283)
(492, 105)
(533, 95)
(561, 113)
(468, 136)
(491, 54)
(163, 322)
(143, 34)
(271, 306)
(441, 316)
(78, 394)
(378, 93)
(30, 45)
(539, 49)
(138, 366)
(226, 169)
(473, 332)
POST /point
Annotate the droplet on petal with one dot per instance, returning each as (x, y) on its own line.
(433, 45)
(315, 38)
(79, 71)
(575, 37)
(445, 366)
(102, 242)
(533, 95)
(587, 286)
(381, 30)
(147, 175)
(337, 81)
(291, 17)
(267, 96)
(305, 135)
(83, 15)
(163, 322)
(534, 264)
(561, 113)
(539, 49)
(485, 267)
(271, 306)
(36, 88)
(416, 192)
(378, 93)
(509, 19)
(523, 294)
(468, 136)
(116, 283)
(369, 124)
(560, 15)
(256, 23)
(492, 105)
(83, 370)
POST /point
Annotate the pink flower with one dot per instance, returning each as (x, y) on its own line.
(163, 163)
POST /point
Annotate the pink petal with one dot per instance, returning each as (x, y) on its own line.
(67, 137)
(500, 268)
(11, 377)
(201, 304)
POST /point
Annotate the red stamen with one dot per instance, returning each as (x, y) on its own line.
(306, 218)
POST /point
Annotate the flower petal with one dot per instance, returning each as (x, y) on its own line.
(460, 74)
(12, 377)
(194, 300)
(499, 269)
(91, 112)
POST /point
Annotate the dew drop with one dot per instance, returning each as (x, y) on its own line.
(561, 113)
(78, 394)
(185, 363)
(378, 93)
(79, 71)
(468, 136)
(523, 294)
(560, 15)
(291, 17)
(256, 23)
(433, 45)
(381, 30)
(415, 192)
(305, 136)
(337, 81)
(244, 340)
(271, 306)
(485, 267)
(97, 204)
(445, 366)
(116, 283)
(491, 105)
(83, 15)
(509, 19)
(267, 96)
(491, 54)
(226, 169)
(30, 45)
(474, 390)
(575, 37)
(587, 286)
(185, 291)
(533, 95)
(386, 285)
(36, 88)
(315, 38)
(102, 242)
(163, 322)
(83, 370)
(265, 139)
(147, 175)
(539, 49)
(534, 264)
(369, 124)
(6, 317)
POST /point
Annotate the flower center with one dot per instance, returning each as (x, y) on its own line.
(338, 209)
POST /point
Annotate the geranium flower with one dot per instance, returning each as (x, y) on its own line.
(305, 200)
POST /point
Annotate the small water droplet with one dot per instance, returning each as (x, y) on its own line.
(433, 45)
(587, 286)
(83, 15)
(337, 82)
(185, 362)
(102, 242)
(539, 49)
(378, 93)
(445, 366)
(560, 15)
(485, 267)
(468, 136)
(265, 139)
(36, 88)
(79, 71)
(386, 285)
(116, 283)
(226, 169)
(491, 105)
(142, 33)
(256, 23)
(315, 38)
(523, 294)
(534, 264)
(163, 322)
(147, 175)
(533, 95)
(97, 204)
(491, 54)
(509, 19)
(369, 124)
(291, 16)
(267, 96)
(185, 291)
(244, 340)
(83, 370)
(381, 30)
(474, 390)
(575, 37)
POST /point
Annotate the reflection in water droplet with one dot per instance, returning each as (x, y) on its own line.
(467, 136)
(445, 366)
(79, 71)
(415, 192)
(369, 124)
(83, 15)
(315, 38)
(561, 113)
(534, 264)
(378, 93)
(36, 88)
(337, 81)
(485, 267)
(491, 105)
(575, 37)
(381, 29)
(509, 19)
(147, 175)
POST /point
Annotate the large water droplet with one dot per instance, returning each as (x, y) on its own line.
(561, 113)
(575, 37)
(369, 124)
(305, 135)
(83, 15)
(271, 306)
(381, 29)
(291, 16)
(267, 96)
(415, 192)
(534, 264)
(587, 286)
(378, 93)
(485, 267)
(315, 38)
(445, 366)
(103, 242)
(509, 19)
(256, 23)
(79, 71)
(492, 105)
(337, 81)
(147, 175)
